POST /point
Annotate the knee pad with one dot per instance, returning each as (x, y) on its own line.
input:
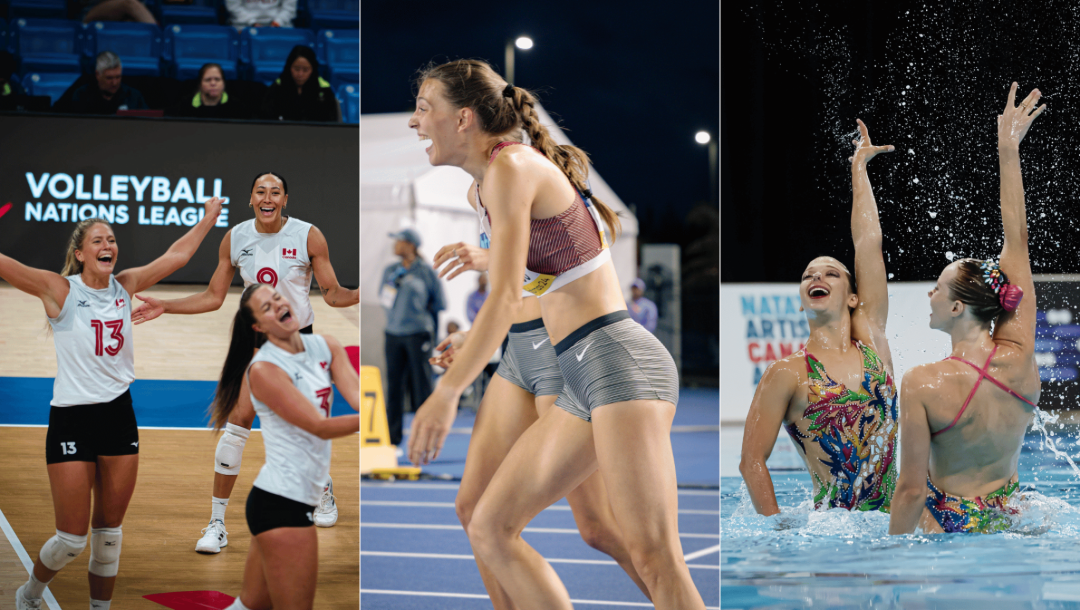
(230, 450)
(105, 550)
(61, 550)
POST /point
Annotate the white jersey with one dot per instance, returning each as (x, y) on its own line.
(297, 462)
(279, 259)
(95, 357)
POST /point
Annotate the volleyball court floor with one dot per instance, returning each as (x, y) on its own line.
(414, 553)
(177, 362)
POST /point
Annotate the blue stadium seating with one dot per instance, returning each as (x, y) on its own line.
(188, 47)
(338, 52)
(349, 97)
(4, 46)
(263, 51)
(332, 14)
(37, 9)
(203, 12)
(52, 84)
(137, 44)
(46, 45)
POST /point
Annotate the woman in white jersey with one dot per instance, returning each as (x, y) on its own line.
(92, 437)
(290, 384)
(273, 249)
(620, 384)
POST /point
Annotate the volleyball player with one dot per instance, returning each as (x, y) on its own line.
(273, 249)
(620, 384)
(92, 445)
(289, 380)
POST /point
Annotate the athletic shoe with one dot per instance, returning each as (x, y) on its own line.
(21, 603)
(326, 511)
(214, 538)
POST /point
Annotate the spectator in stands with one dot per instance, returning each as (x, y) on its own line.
(106, 94)
(413, 297)
(9, 87)
(477, 298)
(210, 100)
(300, 94)
(256, 13)
(116, 10)
(642, 310)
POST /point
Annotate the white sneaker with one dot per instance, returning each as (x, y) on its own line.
(214, 538)
(21, 603)
(326, 511)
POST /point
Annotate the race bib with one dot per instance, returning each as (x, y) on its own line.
(387, 296)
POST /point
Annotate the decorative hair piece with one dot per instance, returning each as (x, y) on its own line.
(1008, 294)
(509, 90)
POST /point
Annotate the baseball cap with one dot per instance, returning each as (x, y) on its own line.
(639, 284)
(409, 235)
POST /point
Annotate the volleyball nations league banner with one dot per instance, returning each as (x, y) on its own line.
(150, 178)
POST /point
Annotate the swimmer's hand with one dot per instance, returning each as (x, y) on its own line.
(787, 521)
(1014, 122)
(431, 425)
(150, 309)
(463, 257)
(864, 150)
(447, 348)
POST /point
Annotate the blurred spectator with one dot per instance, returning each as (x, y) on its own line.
(300, 94)
(9, 88)
(477, 298)
(210, 100)
(255, 13)
(116, 10)
(413, 297)
(106, 94)
(642, 310)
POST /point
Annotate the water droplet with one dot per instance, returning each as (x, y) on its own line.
(950, 255)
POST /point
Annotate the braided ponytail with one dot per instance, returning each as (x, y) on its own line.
(504, 109)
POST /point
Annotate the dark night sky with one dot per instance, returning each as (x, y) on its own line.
(631, 82)
(927, 77)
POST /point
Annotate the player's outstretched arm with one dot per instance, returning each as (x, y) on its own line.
(202, 302)
(48, 286)
(332, 292)
(138, 279)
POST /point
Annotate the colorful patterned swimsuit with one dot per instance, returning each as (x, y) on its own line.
(984, 515)
(851, 453)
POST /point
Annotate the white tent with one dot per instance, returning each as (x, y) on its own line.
(399, 188)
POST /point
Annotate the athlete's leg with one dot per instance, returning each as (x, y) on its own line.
(113, 487)
(505, 412)
(418, 347)
(396, 369)
(71, 483)
(550, 459)
(290, 558)
(633, 448)
(254, 592)
(243, 415)
(593, 516)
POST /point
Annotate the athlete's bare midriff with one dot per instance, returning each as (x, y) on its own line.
(581, 301)
(530, 310)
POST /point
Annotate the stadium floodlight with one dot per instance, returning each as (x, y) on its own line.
(702, 137)
(524, 43)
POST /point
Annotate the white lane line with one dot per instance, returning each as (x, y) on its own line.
(595, 562)
(534, 530)
(584, 602)
(423, 486)
(451, 505)
(703, 552)
(24, 557)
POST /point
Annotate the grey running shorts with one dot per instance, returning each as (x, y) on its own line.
(529, 360)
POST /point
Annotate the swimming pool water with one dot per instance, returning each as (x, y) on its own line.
(840, 559)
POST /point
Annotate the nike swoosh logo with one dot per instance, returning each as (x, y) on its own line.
(582, 354)
(537, 345)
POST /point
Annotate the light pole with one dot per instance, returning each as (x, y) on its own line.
(704, 137)
(522, 42)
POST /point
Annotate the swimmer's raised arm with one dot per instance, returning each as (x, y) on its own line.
(1017, 327)
(868, 319)
(767, 411)
(909, 498)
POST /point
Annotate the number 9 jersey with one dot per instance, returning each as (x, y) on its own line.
(278, 259)
(95, 357)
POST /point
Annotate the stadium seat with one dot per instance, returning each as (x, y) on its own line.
(46, 45)
(263, 51)
(205, 12)
(137, 44)
(37, 9)
(327, 14)
(52, 84)
(188, 47)
(338, 51)
(4, 46)
(349, 97)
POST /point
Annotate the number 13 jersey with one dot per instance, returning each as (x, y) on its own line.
(297, 462)
(278, 259)
(95, 357)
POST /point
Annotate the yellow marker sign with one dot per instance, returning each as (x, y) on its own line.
(375, 448)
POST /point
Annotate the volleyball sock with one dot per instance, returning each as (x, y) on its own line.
(218, 509)
(97, 604)
(34, 588)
